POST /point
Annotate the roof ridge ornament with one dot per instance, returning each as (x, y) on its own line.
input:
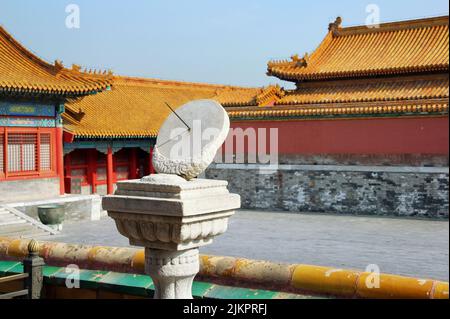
(335, 26)
(94, 73)
(76, 68)
(300, 62)
(59, 66)
(269, 95)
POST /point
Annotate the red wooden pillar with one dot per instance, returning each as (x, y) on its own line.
(92, 169)
(60, 159)
(133, 163)
(67, 172)
(150, 164)
(109, 171)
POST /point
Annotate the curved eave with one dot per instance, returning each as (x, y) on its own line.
(238, 104)
(52, 91)
(6, 35)
(362, 100)
(294, 76)
(106, 135)
(342, 111)
(55, 80)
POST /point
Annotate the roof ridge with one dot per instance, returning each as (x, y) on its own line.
(394, 25)
(124, 80)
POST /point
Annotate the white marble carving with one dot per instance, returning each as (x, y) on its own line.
(171, 217)
(172, 272)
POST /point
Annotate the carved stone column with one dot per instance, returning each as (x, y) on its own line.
(172, 272)
(171, 218)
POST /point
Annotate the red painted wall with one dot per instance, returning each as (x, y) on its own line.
(428, 135)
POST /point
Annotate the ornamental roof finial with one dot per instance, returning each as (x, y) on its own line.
(300, 62)
(59, 65)
(333, 27)
(76, 68)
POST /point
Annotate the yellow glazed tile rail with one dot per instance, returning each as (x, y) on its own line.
(316, 280)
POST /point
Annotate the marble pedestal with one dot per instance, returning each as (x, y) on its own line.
(171, 218)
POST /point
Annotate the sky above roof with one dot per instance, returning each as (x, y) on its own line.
(224, 42)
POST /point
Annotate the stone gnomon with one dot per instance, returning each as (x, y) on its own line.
(171, 217)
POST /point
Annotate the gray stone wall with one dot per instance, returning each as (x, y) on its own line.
(28, 189)
(398, 160)
(391, 191)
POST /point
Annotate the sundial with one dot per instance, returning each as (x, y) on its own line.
(189, 139)
(172, 214)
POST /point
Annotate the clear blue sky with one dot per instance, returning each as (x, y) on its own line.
(227, 41)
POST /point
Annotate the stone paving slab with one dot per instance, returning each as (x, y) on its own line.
(409, 247)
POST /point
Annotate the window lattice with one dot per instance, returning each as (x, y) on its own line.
(45, 153)
(22, 153)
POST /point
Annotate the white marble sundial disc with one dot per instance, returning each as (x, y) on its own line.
(190, 137)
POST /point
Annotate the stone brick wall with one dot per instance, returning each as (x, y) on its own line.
(367, 190)
(416, 160)
(28, 189)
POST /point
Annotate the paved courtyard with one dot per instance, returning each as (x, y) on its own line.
(417, 248)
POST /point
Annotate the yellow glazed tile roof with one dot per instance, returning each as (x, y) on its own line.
(393, 48)
(390, 96)
(134, 107)
(238, 97)
(23, 72)
(387, 89)
(250, 96)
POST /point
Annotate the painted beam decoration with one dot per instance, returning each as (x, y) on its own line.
(27, 114)
(27, 109)
(103, 145)
(27, 122)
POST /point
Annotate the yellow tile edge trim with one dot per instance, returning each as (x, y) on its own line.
(295, 278)
(360, 110)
